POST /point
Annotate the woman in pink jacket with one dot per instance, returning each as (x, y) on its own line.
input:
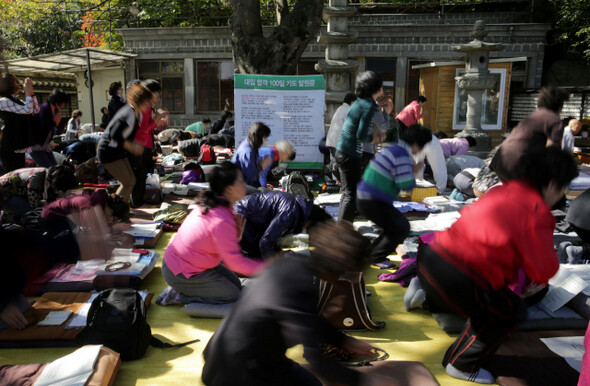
(200, 262)
(410, 114)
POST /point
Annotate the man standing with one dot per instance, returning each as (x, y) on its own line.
(571, 130)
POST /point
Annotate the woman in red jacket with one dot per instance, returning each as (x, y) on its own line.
(467, 268)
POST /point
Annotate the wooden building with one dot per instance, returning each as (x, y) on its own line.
(446, 104)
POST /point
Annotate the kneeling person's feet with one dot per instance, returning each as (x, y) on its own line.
(479, 376)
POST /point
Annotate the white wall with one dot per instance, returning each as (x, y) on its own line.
(102, 79)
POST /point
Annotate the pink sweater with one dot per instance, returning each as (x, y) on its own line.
(205, 241)
(410, 114)
(454, 146)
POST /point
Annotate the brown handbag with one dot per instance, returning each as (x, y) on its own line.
(344, 303)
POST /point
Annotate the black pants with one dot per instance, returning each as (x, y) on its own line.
(492, 314)
(141, 165)
(350, 175)
(395, 227)
(365, 159)
(400, 126)
(11, 160)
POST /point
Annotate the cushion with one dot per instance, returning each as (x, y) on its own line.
(203, 310)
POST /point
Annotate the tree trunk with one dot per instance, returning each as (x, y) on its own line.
(279, 52)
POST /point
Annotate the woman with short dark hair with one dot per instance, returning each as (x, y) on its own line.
(356, 129)
(279, 311)
(73, 126)
(50, 119)
(117, 99)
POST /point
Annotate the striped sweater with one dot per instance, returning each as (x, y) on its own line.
(388, 172)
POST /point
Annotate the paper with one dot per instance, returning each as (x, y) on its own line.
(563, 292)
(582, 270)
(198, 185)
(149, 230)
(434, 222)
(72, 370)
(55, 318)
(570, 348)
(325, 198)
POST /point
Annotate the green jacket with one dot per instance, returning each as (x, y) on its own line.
(357, 127)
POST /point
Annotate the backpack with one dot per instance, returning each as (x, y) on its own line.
(207, 155)
(344, 303)
(117, 319)
(297, 184)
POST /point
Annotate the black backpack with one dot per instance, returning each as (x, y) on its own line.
(117, 319)
(297, 184)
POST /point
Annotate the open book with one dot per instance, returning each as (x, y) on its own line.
(73, 369)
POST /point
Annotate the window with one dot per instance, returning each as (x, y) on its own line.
(215, 86)
(518, 78)
(492, 103)
(385, 68)
(170, 74)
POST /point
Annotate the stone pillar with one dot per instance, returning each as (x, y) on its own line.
(401, 78)
(189, 86)
(336, 66)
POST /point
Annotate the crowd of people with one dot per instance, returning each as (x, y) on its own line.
(232, 235)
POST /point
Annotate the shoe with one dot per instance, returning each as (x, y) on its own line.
(479, 376)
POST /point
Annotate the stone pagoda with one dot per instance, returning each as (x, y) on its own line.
(337, 68)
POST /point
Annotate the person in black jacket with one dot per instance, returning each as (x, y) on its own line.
(117, 100)
(104, 121)
(221, 122)
(117, 139)
(278, 311)
(270, 215)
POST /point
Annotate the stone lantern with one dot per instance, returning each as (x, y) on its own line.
(475, 81)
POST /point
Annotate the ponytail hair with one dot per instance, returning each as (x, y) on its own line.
(223, 175)
(258, 131)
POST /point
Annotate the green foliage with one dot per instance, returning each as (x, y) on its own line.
(572, 25)
(34, 28)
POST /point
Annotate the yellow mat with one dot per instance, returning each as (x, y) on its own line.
(413, 336)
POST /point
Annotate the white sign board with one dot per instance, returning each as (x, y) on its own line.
(292, 106)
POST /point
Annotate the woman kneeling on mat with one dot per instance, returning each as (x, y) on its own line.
(467, 268)
(279, 310)
(200, 262)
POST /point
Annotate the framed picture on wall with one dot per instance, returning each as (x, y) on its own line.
(492, 103)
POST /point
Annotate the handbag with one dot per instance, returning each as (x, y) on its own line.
(344, 303)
